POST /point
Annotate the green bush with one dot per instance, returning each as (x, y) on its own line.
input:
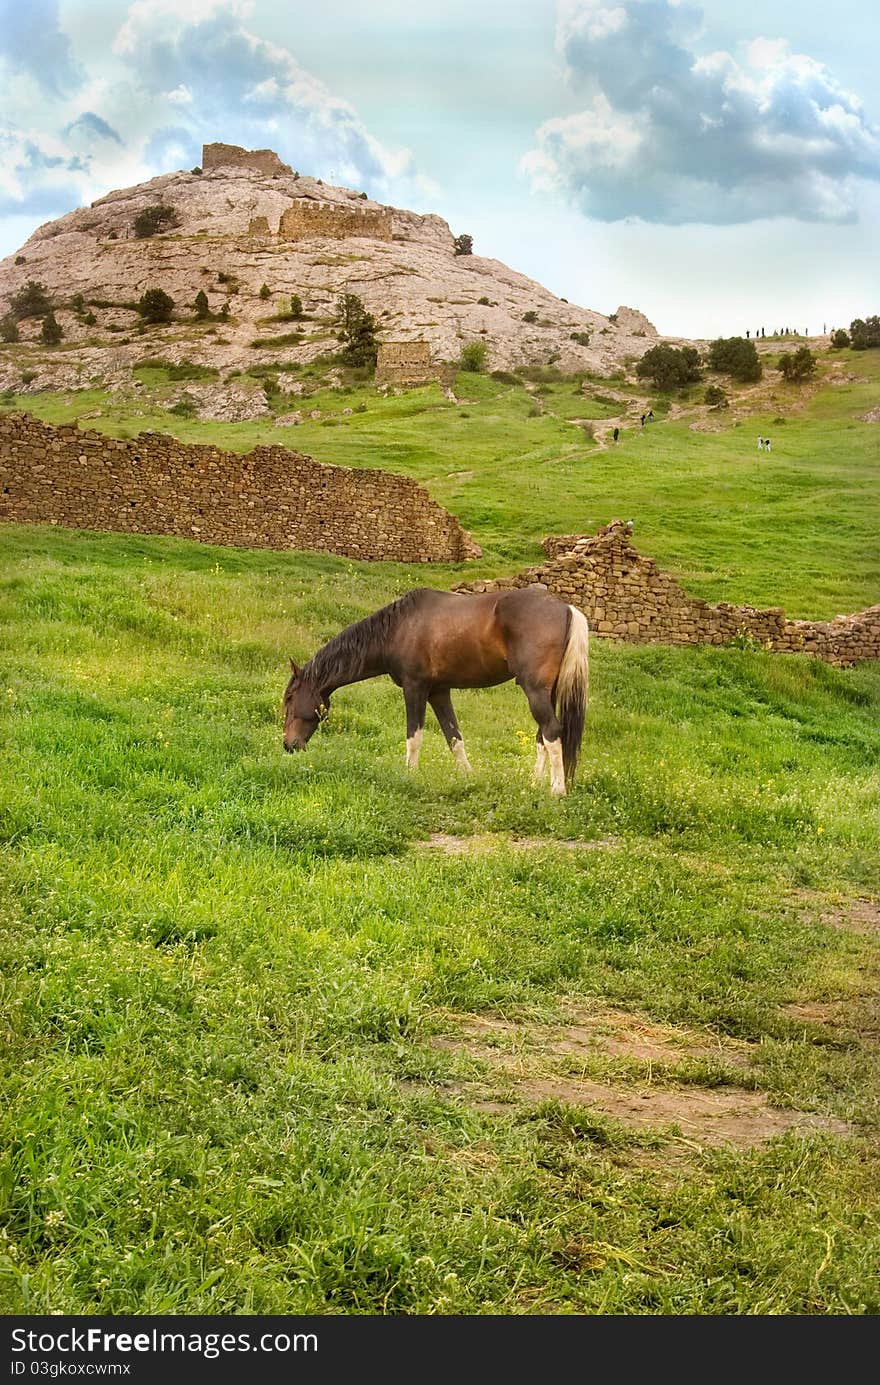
(840, 338)
(356, 330)
(865, 332)
(735, 356)
(582, 338)
(530, 316)
(154, 219)
(265, 292)
(9, 329)
(483, 302)
(155, 305)
(89, 319)
(77, 302)
(30, 301)
(464, 245)
(296, 306)
(186, 407)
(800, 365)
(670, 367)
(202, 306)
(51, 331)
(473, 356)
(716, 397)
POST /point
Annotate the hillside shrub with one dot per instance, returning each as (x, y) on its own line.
(30, 301)
(530, 316)
(265, 292)
(51, 330)
(9, 328)
(473, 356)
(356, 330)
(89, 319)
(715, 397)
(582, 338)
(797, 366)
(840, 338)
(296, 306)
(483, 302)
(20, 259)
(464, 245)
(78, 303)
(865, 332)
(155, 305)
(202, 306)
(670, 367)
(186, 407)
(286, 339)
(152, 220)
(735, 356)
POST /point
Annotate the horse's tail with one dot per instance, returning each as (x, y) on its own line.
(573, 688)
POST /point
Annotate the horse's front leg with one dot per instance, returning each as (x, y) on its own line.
(445, 714)
(416, 699)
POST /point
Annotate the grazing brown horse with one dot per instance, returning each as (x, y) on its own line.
(429, 642)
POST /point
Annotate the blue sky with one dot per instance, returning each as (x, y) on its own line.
(716, 166)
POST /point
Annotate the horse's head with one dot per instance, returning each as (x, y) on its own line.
(304, 709)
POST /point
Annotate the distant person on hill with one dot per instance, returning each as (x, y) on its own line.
(766, 444)
(760, 444)
(649, 416)
(616, 434)
(762, 332)
(747, 334)
(643, 420)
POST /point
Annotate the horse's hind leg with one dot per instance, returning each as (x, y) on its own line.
(415, 698)
(540, 758)
(445, 714)
(549, 735)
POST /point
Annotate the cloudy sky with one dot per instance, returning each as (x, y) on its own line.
(715, 165)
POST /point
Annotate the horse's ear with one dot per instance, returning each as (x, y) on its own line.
(294, 668)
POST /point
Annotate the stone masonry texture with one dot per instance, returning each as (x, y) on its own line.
(233, 156)
(270, 498)
(625, 596)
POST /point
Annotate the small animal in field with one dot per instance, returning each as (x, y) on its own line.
(429, 642)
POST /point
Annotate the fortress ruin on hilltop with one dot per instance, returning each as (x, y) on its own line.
(233, 156)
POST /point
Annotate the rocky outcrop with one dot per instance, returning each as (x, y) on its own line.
(235, 219)
(625, 596)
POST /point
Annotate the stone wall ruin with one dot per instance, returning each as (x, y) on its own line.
(625, 596)
(233, 156)
(270, 498)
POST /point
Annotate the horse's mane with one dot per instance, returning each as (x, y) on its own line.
(345, 656)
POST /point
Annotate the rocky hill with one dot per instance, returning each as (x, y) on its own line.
(244, 221)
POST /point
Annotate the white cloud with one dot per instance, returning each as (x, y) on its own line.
(669, 134)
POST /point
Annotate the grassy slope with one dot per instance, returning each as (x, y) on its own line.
(797, 528)
(222, 966)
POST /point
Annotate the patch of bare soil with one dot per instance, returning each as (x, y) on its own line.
(857, 915)
(536, 1063)
(488, 841)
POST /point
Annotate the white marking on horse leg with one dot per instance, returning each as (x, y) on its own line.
(557, 769)
(540, 762)
(461, 759)
(413, 745)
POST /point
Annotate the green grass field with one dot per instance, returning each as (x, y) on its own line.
(266, 1051)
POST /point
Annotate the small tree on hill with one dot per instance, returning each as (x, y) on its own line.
(30, 301)
(840, 338)
(464, 245)
(797, 366)
(265, 292)
(865, 332)
(356, 330)
(296, 305)
(473, 356)
(51, 331)
(153, 219)
(670, 367)
(9, 328)
(715, 397)
(155, 305)
(202, 306)
(735, 356)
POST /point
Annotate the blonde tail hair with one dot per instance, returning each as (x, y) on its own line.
(573, 689)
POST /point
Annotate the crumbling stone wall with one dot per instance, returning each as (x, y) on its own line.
(627, 597)
(305, 219)
(407, 363)
(232, 155)
(271, 498)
